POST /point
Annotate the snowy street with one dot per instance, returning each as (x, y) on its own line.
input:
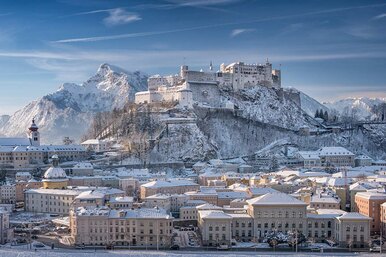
(90, 253)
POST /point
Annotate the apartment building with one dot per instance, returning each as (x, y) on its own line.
(130, 227)
(369, 204)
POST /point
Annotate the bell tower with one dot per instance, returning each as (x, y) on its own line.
(33, 134)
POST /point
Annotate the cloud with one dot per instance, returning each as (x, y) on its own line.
(152, 33)
(196, 3)
(237, 32)
(149, 57)
(91, 12)
(120, 16)
(381, 16)
(116, 16)
(292, 28)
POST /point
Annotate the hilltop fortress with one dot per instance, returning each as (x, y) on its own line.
(204, 86)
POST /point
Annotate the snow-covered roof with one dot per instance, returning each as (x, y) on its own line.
(214, 214)
(93, 142)
(372, 195)
(169, 183)
(238, 187)
(126, 213)
(53, 191)
(240, 215)
(23, 173)
(55, 173)
(122, 199)
(92, 194)
(216, 162)
(262, 190)
(158, 197)
(322, 216)
(232, 195)
(14, 141)
(363, 157)
(352, 174)
(353, 216)
(338, 182)
(309, 155)
(143, 213)
(208, 206)
(364, 185)
(336, 150)
(330, 211)
(275, 199)
(83, 165)
(324, 199)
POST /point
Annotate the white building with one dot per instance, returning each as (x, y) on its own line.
(95, 145)
(23, 152)
(81, 169)
(336, 156)
(105, 227)
(8, 193)
(309, 159)
(277, 212)
(215, 227)
(23, 176)
(353, 230)
(180, 94)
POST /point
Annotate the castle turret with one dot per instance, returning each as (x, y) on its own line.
(33, 134)
(183, 71)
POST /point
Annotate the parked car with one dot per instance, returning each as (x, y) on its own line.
(375, 248)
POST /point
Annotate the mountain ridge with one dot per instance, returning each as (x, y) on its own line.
(69, 110)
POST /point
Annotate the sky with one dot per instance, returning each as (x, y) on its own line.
(329, 49)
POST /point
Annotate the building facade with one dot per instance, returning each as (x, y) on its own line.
(105, 227)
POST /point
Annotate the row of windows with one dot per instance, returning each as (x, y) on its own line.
(279, 225)
(279, 214)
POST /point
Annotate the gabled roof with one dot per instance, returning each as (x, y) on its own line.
(353, 216)
(275, 199)
(337, 150)
(14, 141)
(262, 190)
(208, 206)
(372, 195)
(214, 214)
(169, 183)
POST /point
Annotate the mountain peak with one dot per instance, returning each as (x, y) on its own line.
(106, 68)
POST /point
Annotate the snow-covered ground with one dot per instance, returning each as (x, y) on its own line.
(90, 253)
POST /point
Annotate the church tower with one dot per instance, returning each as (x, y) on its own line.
(33, 134)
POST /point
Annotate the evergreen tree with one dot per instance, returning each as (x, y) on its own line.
(325, 116)
(317, 114)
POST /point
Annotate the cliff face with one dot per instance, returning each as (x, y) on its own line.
(166, 134)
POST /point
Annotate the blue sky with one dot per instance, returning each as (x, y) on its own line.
(329, 49)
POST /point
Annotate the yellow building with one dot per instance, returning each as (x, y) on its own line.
(55, 177)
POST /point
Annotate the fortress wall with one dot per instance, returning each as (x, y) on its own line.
(206, 93)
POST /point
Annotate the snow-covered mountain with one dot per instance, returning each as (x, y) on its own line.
(363, 108)
(69, 110)
(4, 119)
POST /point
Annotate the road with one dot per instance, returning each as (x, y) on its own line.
(12, 252)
